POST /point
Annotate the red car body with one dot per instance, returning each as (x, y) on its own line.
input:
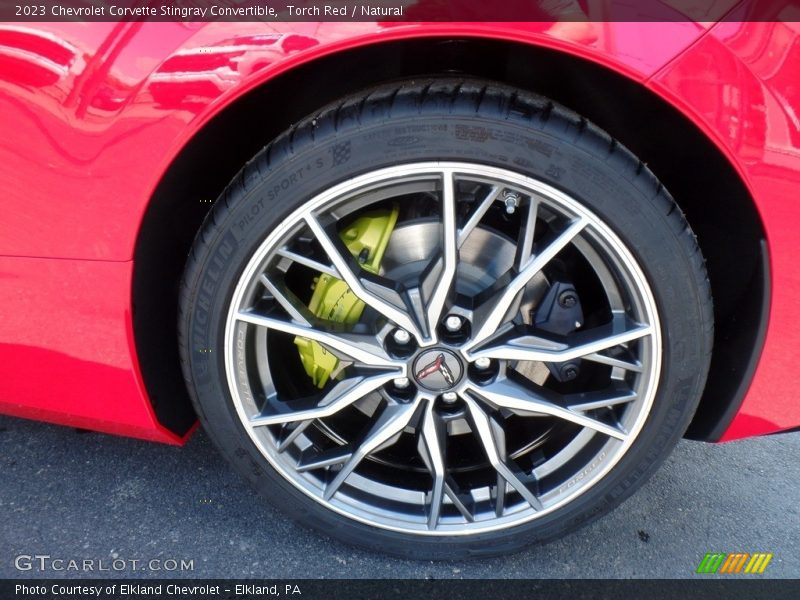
(95, 115)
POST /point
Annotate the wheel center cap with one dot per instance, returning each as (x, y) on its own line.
(437, 369)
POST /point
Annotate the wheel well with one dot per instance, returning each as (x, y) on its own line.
(717, 204)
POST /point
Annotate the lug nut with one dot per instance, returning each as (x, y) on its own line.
(483, 362)
(401, 336)
(452, 323)
(449, 397)
(401, 383)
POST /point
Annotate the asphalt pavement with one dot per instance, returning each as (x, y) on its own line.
(81, 496)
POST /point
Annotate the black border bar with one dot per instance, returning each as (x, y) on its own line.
(397, 10)
(699, 588)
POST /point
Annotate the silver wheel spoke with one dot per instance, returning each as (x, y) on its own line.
(525, 248)
(486, 435)
(518, 399)
(447, 263)
(290, 432)
(361, 348)
(383, 433)
(433, 434)
(343, 394)
(281, 293)
(499, 306)
(432, 444)
(628, 365)
(401, 317)
(308, 262)
(583, 343)
(478, 214)
(310, 459)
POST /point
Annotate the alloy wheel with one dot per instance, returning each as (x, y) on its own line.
(467, 396)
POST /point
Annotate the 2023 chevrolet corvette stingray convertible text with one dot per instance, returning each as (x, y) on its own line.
(438, 288)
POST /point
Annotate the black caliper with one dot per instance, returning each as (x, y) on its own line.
(560, 313)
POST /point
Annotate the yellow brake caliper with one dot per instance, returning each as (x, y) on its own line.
(366, 239)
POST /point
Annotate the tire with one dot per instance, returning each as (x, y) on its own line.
(632, 267)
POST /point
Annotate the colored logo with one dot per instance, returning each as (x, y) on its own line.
(735, 562)
(437, 370)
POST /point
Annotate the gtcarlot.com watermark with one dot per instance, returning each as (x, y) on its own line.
(44, 563)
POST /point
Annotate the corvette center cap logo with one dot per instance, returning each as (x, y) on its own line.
(437, 369)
